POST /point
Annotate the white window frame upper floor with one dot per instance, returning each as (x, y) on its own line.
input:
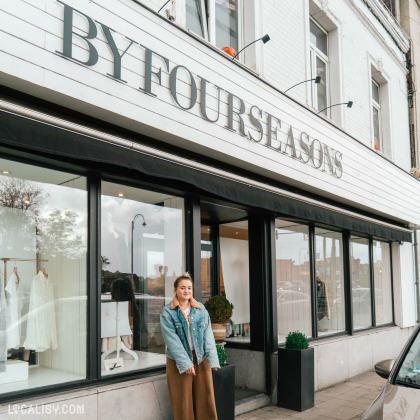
(330, 25)
(207, 14)
(314, 54)
(378, 76)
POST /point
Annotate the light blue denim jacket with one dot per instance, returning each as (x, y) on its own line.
(175, 333)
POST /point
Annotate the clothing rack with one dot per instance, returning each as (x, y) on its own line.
(5, 261)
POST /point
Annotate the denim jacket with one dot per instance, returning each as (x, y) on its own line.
(175, 333)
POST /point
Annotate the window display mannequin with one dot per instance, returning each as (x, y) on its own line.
(322, 301)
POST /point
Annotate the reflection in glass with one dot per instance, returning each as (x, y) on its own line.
(142, 252)
(360, 280)
(382, 281)
(206, 263)
(227, 24)
(194, 17)
(329, 281)
(43, 240)
(321, 87)
(293, 279)
(376, 134)
(318, 37)
(409, 372)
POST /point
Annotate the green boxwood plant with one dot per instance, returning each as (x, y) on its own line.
(296, 341)
(219, 309)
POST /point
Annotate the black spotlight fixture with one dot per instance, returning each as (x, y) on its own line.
(349, 104)
(317, 80)
(264, 39)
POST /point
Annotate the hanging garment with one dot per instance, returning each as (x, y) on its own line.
(3, 328)
(13, 335)
(322, 296)
(41, 333)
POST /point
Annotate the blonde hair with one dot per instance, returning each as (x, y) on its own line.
(185, 276)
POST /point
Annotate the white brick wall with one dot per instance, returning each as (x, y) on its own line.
(287, 55)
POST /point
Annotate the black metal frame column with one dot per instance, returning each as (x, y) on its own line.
(261, 233)
(392, 280)
(372, 283)
(312, 266)
(215, 273)
(348, 295)
(94, 279)
(193, 242)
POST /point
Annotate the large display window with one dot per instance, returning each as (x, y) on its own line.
(383, 282)
(43, 287)
(360, 282)
(293, 282)
(142, 253)
(329, 278)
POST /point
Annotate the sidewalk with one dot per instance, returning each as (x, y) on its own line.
(345, 401)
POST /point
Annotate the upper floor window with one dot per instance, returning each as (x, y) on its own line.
(319, 66)
(217, 21)
(376, 116)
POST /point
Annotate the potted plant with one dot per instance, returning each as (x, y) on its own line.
(224, 386)
(220, 311)
(295, 382)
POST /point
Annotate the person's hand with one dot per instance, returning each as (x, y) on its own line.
(190, 371)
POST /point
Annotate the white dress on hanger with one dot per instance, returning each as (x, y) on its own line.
(41, 333)
(13, 335)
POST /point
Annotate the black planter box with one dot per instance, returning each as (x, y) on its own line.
(295, 381)
(224, 392)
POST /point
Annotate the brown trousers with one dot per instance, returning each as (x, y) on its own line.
(192, 397)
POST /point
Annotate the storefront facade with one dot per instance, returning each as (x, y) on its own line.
(134, 150)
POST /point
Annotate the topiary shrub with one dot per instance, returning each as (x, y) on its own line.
(219, 309)
(296, 341)
(221, 354)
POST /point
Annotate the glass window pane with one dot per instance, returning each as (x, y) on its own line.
(227, 24)
(409, 373)
(321, 87)
(376, 135)
(382, 279)
(329, 281)
(142, 252)
(318, 37)
(43, 235)
(375, 92)
(206, 263)
(194, 17)
(293, 279)
(360, 281)
(234, 277)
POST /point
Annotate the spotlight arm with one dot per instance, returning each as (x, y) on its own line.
(316, 80)
(349, 105)
(132, 243)
(264, 38)
(164, 6)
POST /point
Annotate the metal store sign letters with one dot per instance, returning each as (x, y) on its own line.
(303, 148)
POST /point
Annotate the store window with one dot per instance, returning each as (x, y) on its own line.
(217, 21)
(360, 282)
(319, 66)
(142, 253)
(383, 282)
(43, 294)
(293, 283)
(376, 116)
(329, 281)
(234, 278)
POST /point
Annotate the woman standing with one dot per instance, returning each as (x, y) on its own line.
(191, 353)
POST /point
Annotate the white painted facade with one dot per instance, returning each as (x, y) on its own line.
(361, 37)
